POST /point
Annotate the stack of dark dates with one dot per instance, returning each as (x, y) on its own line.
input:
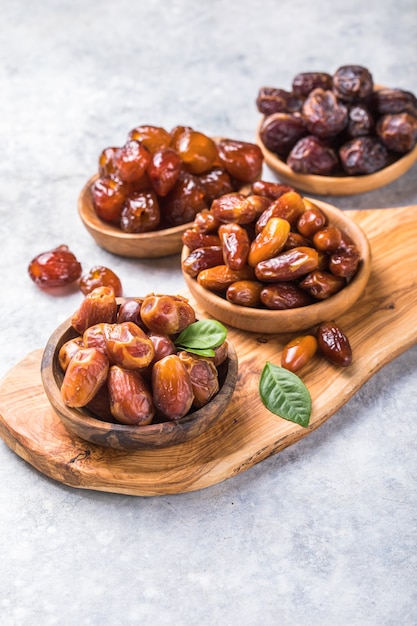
(160, 179)
(270, 249)
(337, 124)
(123, 364)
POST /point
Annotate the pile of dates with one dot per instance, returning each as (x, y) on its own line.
(160, 179)
(270, 249)
(337, 124)
(124, 367)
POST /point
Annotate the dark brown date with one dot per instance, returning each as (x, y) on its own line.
(312, 220)
(215, 183)
(352, 82)
(164, 170)
(345, 261)
(328, 238)
(360, 121)
(272, 100)
(281, 131)
(325, 116)
(363, 155)
(398, 132)
(288, 265)
(183, 202)
(194, 239)
(269, 189)
(140, 213)
(334, 344)
(304, 82)
(394, 101)
(310, 155)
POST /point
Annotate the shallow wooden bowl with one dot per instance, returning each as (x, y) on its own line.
(301, 318)
(85, 425)
(158, 243)
(335, 185)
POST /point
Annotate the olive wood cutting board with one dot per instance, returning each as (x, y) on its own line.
(382, 325)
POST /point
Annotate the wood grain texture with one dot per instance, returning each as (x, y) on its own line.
(380, 327)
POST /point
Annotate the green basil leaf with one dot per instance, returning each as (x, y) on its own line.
(201, 335)
(284, 394)
(203, 352)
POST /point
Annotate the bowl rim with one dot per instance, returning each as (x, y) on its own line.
(271, 321)
(80, 419)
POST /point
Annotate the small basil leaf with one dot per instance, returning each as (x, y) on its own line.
(201, 335)
(284, 394)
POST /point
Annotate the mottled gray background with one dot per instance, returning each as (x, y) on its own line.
(323, 534)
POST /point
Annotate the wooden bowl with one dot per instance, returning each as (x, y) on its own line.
(291, 320)
(85, 425)
(158, 243)
(335, 185)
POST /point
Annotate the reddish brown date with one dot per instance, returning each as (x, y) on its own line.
(130, 398)
(289, 206)
(334, 344)
(108, 195)
(235, 245)
(241, 159)
(282, 296)
(201, 259)
(204, 378)
(164, 170)
(67, 351)
(100, 276)
(183, 202)
(140, 213)
(245, 293)
(321, 285)
(197, 151)
(219, 278)
(56, 268)
(194, 239)
(131, 161)
(269, 242)
(128, 345)
(345, 262)
(172, 389)
(86, 372)
(233, 207)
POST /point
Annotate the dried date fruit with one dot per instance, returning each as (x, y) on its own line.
(216, 182)
(363, 155)
(106, 166)
(352, 82)
(205, 222)
(183, 202)
(310, 155)
(398, 132)
(311, 221)
(270, 241)
(167, 314)
(325, 116)
(334, 344)
(67, 351)
(85, 374)
(245, 293)
(328, 238)
(164, 170)
(345, 261)
(131, 161)
(219, 278)
(233, 207)
(98, 306)
(242, 160)
(235, 245)
(321, 285)
(130, 399)
(197, 151)
(281, 131)
(100, 276)
(152, 137)
(172, 389)
(394, 101)
(304, 82)
(94, 337)
(194, 239)
(288, 265)
(290, 206)
(140, 213)
(204, 378)
(360, 121)
(271, 100)
(282, 296)
(56, 268)
(269, 189)
(129, 311)
(162, 345)
(201, 259)
(108, 195)
(128, 345)
(298, 352)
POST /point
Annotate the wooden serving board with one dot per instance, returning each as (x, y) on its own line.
(382, 325)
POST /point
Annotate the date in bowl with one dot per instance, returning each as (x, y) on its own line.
(86, 425)
(268, 321)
